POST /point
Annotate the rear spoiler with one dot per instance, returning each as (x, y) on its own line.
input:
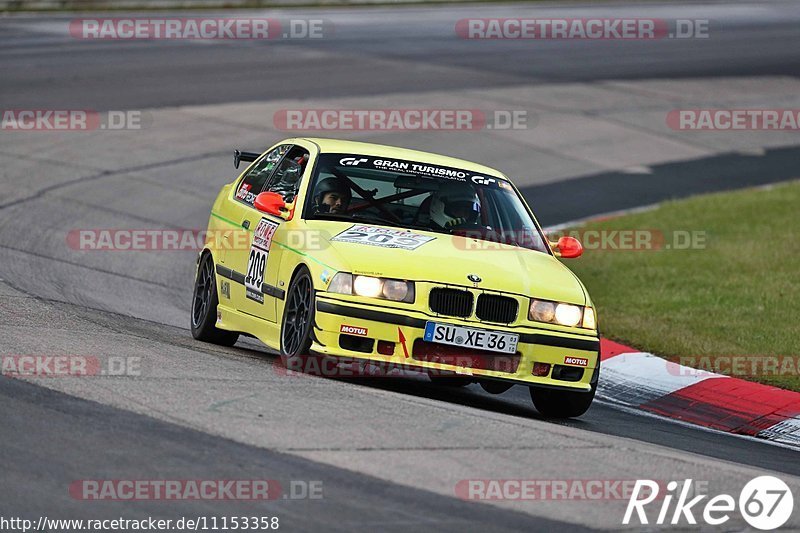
(238, 156)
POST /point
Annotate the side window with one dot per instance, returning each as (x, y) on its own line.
(254, 181)
(286, 180)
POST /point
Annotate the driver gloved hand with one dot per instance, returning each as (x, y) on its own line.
(455, 222)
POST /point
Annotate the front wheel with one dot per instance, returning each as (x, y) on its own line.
(298, 317)
(204, 307)
(552, 403)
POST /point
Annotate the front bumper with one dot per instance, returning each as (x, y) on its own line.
(353, 329)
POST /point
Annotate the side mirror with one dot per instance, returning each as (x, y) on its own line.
(273, 204)
(567, 247)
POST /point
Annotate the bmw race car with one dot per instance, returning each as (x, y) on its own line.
(361, 252)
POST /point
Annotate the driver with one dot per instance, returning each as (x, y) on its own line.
(332, 195)
(454, 204)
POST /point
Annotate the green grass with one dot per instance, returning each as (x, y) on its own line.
(738, 296)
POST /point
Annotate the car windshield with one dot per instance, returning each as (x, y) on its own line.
(414, 195)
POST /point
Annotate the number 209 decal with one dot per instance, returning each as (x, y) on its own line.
(383, 237)
(257, 262)
(255, 268)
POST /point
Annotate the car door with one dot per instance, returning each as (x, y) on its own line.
(247, 259)
(262, 260)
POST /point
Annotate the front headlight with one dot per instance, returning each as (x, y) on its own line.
(542, 311)
(367, 286)
(396, 290)
(568, 315)
(563, 314)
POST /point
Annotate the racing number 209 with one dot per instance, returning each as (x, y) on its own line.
(383, 237)
(255, 268)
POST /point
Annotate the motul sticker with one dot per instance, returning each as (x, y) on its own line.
(576, 361)
(353, 330)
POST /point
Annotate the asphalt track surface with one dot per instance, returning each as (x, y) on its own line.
(385, 51)
(51, 439)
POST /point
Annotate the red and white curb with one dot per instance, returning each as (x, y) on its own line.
(647, 382)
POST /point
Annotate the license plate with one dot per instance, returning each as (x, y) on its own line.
(481, 339)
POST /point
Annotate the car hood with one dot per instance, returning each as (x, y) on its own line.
(450, 259)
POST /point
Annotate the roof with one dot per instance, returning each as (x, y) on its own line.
(381, 150)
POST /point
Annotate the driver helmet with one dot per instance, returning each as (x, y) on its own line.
(331, 185)
(455, 204)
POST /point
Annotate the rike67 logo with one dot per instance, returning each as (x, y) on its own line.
(765, 503)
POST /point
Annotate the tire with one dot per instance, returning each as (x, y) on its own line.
(298, 318)
(552, 403)
(204, 307)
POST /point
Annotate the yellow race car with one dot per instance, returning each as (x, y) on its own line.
(357, 252)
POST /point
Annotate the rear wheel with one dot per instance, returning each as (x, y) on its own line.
(298, 318)
(204, 307)
(553, 403)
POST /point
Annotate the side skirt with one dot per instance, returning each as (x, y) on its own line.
(233, 320)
